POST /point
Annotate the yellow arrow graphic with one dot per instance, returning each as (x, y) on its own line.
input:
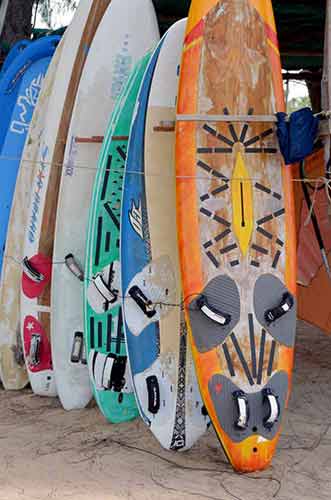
(242, 204)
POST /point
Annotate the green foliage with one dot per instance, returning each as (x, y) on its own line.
(298, 103)
(49, 9)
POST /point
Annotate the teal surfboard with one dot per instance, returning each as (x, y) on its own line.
(105, 341)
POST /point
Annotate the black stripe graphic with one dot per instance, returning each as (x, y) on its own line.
(218, 174)
(106, 178)
(112, 215)
(208, 244)
(276, 259)
(205, 150)
(262, 188)
(264, 232)
(98, 242)
(223, 235)
(242, 359)
(261, 358)
(213, 259)
(243, 133)
(223, 150)
(206, 212)
(210, 130)
(234, 263)
(233, 133)
(224, 139)
(120, 336)
(279, 212)
(220, 189)
(107, 242)
(204, 166)
(261, 150)
(270, 150)
(271, 358)
(92, 338)
(222, 221)
(228, 360)
(121, 153)
(259, 249)
(252, 342)
(245, 127)
(265, 219)
(254, 263)
(228, 249)
(268, 132)
(251, 141)
(204, 197)
(100, 334)
(109, 330)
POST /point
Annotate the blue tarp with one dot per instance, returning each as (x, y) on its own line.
(297, 134)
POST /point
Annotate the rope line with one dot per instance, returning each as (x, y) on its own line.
(82, 167)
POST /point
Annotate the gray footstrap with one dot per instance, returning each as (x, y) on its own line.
(31, 272)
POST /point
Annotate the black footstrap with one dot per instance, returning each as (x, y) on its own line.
(279, 311)
(142, 301)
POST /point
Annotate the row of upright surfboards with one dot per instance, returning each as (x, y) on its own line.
(106, 295)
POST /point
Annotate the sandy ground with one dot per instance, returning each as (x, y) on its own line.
(47, 453)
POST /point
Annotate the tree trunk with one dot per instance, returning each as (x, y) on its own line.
(17, 24)
(314, 88)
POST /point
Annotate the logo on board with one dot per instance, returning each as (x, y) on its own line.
(121, 69)
(136, 218)
(25, 105)
(36, 195)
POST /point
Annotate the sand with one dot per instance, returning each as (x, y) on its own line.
(47, 453)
